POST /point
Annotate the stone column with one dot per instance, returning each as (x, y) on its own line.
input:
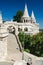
(3, 43)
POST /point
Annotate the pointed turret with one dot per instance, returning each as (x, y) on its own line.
(33, 17)
(25, 12)
(25, 17)
(0, 17)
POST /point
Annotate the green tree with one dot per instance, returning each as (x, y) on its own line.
(25, 40)
(4, 21)
(18, 16)
(33, 44)
(37, 44)
(21, 37)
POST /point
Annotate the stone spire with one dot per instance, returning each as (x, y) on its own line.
(0, 17)
(25, 12)
(33, 17)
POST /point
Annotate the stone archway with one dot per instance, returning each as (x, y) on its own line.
(26, 29)
(11, 29)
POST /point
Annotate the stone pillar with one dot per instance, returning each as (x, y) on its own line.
(3, 43)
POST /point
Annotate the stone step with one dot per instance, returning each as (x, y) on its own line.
(12, 45)
(6, 63)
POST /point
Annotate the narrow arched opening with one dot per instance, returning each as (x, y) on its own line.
(26, 29)
(11, 29)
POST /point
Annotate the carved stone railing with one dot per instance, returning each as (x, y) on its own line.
(19, 43)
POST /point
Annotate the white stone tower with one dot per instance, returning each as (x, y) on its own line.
(25, 17)
(3, 40)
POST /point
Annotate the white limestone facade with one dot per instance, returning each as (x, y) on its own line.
(3, 42)
(28, 26)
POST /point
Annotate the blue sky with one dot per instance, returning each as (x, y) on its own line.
(10, 7)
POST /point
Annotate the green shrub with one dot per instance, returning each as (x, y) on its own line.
(32, 44)
(27, 50)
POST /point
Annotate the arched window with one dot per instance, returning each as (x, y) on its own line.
(26, 29)
(19, 29)
(0, 25)
(24, 21)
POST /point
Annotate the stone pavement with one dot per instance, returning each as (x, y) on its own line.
(13, 52)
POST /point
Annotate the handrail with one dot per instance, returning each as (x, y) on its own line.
(20, 46)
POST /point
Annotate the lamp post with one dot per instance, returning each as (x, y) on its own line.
(23, 51)
(23, 48)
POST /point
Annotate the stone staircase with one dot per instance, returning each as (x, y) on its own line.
(13, 51)
(12, 44)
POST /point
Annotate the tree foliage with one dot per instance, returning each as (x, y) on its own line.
(18, 16)
(33, 43)
(4, 21)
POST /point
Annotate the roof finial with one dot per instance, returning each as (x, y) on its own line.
(25, 6)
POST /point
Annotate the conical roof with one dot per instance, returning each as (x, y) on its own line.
(32, 16)
(25, 12)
